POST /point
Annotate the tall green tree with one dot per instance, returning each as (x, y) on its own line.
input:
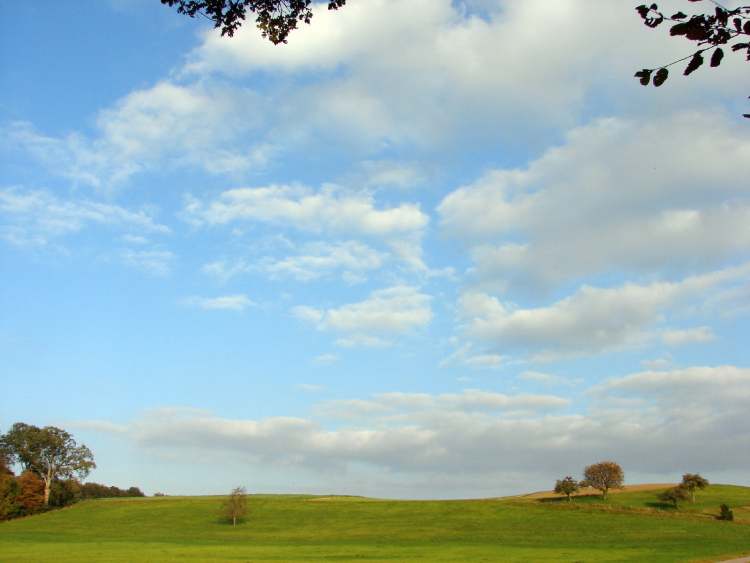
(50, 453)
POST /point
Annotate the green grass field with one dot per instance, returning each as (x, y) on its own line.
(304, 528)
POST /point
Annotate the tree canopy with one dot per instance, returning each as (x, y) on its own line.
(50, 453)
(275, 18)
(566, 486)
(693, 481)
(604, 476)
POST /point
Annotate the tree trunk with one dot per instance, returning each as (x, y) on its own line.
(234, 520)
(47, 488)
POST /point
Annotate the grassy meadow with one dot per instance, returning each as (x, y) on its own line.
(631, 526)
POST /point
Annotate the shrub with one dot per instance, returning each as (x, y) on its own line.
(725, 513)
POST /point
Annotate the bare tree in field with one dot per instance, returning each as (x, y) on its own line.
(235, 506)
(604, 476)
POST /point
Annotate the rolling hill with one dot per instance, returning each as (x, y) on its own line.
(631, 526)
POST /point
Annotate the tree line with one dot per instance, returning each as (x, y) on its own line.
(52, 464)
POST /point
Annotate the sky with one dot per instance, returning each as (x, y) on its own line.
(427, 249)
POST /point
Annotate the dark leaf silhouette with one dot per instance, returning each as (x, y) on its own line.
(716, 57)
(694, 64)
(661, 76)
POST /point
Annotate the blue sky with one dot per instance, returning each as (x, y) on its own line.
(423, 250)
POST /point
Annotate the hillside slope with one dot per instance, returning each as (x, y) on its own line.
(296, 527)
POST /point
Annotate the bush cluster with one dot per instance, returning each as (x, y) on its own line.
(23, 495)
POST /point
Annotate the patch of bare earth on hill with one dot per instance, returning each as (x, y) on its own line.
(588, 491)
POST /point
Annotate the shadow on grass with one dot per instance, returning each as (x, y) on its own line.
(661, 505)
(564, 500)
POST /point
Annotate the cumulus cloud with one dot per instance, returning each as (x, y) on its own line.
(385, 313)
(479, 433)
(435, 55)
(197, 125)
(592, 320)
(238, 302)
(618, 195)
(37, 217)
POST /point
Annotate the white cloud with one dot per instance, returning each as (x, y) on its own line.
(155, 262)
(591, 321)
(437, 58)
(480, 433)
(351, 259)
(36, 217)
(329, 209)
(467, 355)
(687, 336)
(385, 313)
(197, 125)
(392, 174)
(238, 302)
(617, 195)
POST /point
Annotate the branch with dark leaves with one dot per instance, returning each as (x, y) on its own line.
(276, 19)
(712, 31)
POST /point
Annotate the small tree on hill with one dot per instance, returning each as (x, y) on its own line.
(693, 481)
(235, 506)
(604, 476)
(675, 495)
(566, 486)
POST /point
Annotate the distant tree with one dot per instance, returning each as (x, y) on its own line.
(50, 452)
(693, 481)
(31, 490)
(235, 505)
(675, 495)
(725, 513)
(97, 490)
(275, 18)
(566, 486)
(711, 30)
(604, 476)
(134, 492)
(158, 494)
